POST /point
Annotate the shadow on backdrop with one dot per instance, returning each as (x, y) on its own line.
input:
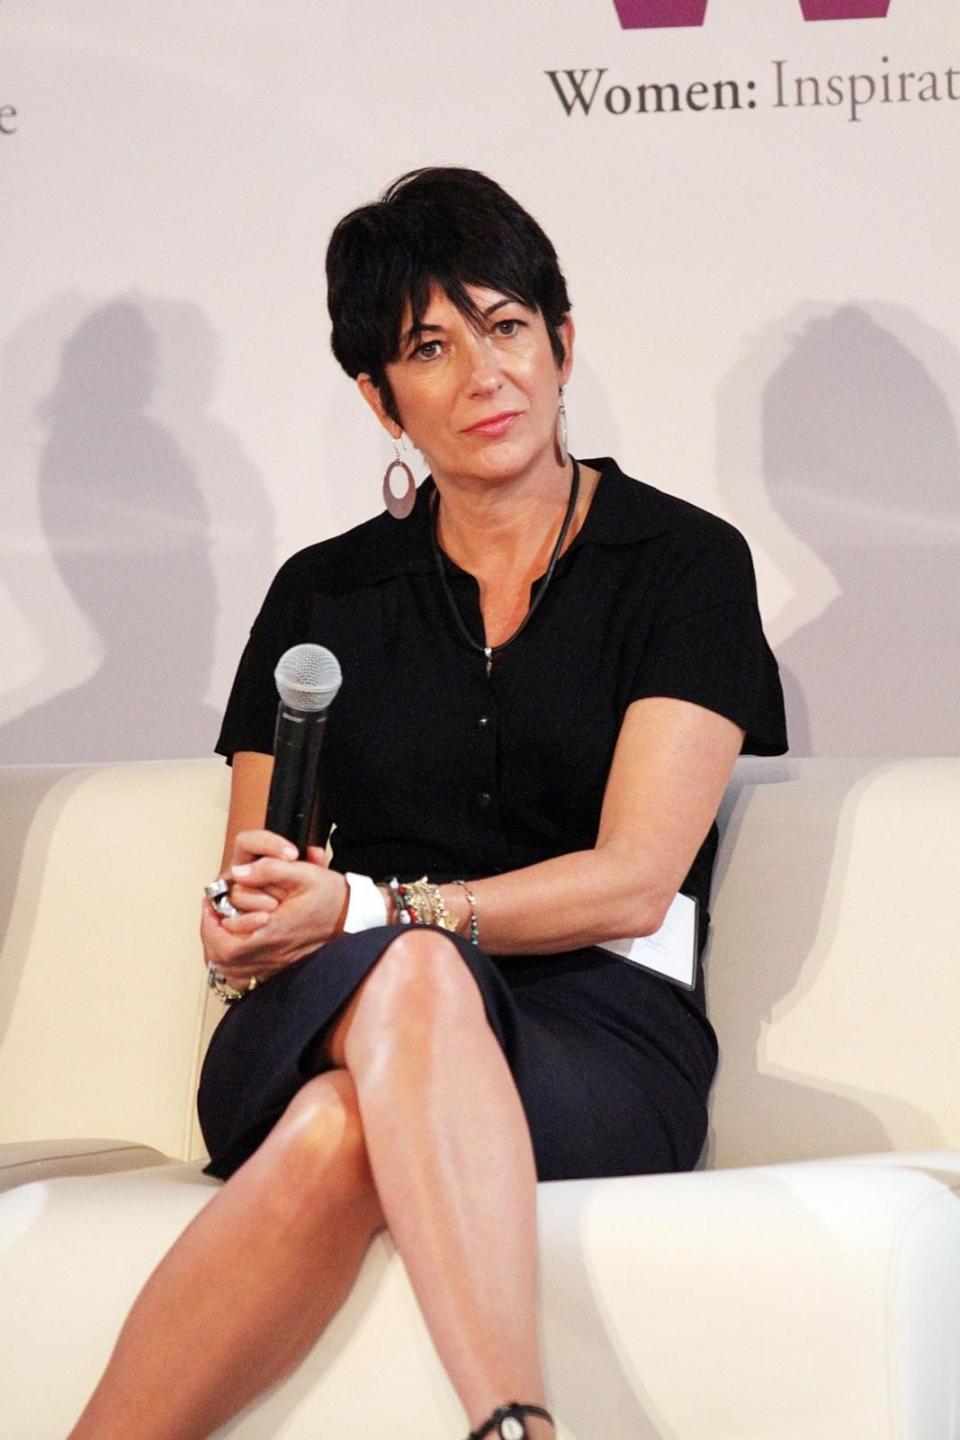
(129, 528)
(860, 457)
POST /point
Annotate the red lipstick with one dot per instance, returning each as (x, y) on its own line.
(493, 424)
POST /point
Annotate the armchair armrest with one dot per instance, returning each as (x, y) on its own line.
(22, 1162)
(816, 1299)
(104, 1013)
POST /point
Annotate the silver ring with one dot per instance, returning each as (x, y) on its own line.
(218, 893)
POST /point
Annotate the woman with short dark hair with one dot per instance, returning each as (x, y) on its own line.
(549, 670)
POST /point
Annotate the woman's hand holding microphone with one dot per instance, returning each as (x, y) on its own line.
(285, 907)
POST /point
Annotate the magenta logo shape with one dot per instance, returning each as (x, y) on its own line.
(844, 9)
(659, 14)
(662, 14)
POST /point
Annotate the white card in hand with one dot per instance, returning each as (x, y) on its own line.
(671, 951)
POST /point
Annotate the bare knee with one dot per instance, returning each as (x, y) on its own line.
(419, 990)
(315, 1158)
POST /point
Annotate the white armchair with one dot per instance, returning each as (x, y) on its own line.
(804, 1285)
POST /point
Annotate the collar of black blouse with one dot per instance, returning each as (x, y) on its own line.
(622, 512)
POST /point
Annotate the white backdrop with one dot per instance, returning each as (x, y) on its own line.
(764, 288)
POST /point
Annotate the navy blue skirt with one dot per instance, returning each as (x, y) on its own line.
(613, 1065)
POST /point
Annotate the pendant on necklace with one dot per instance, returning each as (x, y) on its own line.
(488, 651)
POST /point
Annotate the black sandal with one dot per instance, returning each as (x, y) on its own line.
(507, 1422)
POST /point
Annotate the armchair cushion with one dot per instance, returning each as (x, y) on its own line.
(808, 1301)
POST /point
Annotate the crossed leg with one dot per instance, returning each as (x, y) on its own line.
(251, 1282)
(453, 1165)
(420, 1127)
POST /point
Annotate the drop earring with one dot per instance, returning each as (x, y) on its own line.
(399, 505)
(563, 454)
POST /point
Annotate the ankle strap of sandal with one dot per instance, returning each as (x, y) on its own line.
(507, 1421)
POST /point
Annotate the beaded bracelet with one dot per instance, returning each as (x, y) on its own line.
(472, 902)
(419, 902)
(404, 913)
(226, 993)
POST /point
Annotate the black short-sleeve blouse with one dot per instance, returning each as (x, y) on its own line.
(429, 765)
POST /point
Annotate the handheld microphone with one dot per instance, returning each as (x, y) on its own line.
(308, 678)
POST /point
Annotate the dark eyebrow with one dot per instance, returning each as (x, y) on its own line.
(497, 304)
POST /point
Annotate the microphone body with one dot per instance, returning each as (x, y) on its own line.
(293, 803)
(308, 678)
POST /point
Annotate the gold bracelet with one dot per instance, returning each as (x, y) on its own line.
(472, 902)
(424, 900)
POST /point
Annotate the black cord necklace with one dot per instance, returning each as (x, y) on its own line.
(490, 650)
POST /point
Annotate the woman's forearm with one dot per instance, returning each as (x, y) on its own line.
(669, 772)
(578, 899)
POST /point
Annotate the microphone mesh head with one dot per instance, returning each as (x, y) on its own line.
(308, 677)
